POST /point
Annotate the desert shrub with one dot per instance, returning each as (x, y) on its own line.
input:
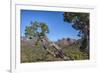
(37, 54)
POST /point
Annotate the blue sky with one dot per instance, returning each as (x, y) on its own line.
(57, 27)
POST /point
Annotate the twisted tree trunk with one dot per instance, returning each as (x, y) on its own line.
(53, 49)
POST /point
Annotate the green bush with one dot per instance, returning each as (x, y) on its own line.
(37, 54)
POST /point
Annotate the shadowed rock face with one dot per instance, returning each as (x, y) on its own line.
(66, 42)
(61, 42)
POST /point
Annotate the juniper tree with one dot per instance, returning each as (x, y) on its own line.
(36, 29)
(80, 22)
(39, 30)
